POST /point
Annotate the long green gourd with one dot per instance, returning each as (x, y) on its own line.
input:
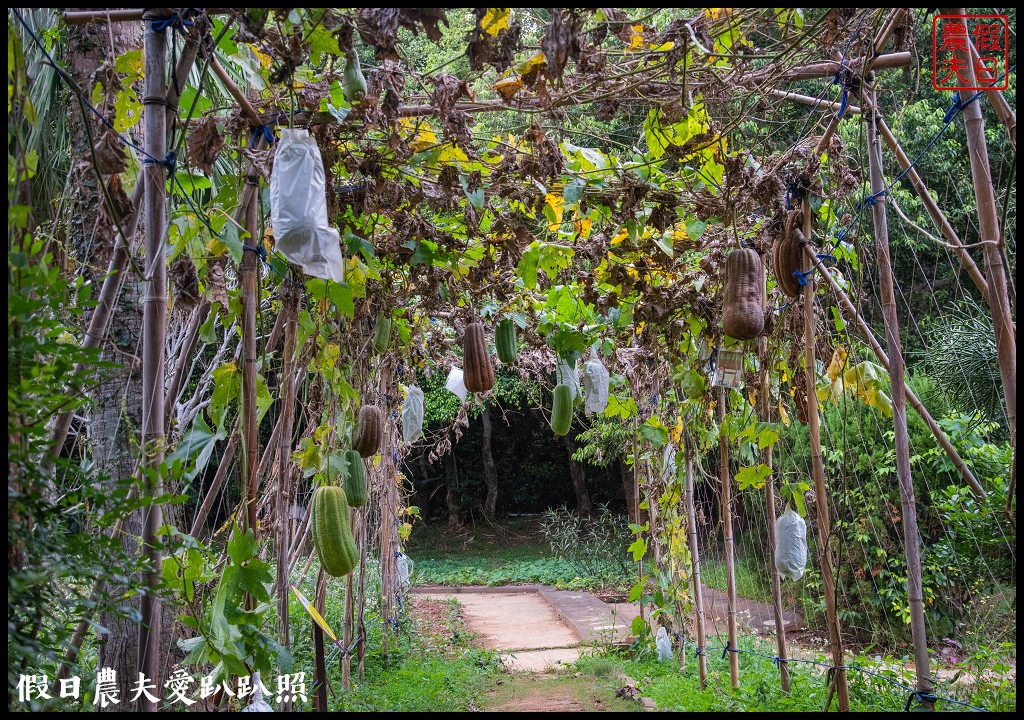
(353, 82)
(505, 340)
(355, 480)
(561, 410)
(382, 334)
(332, 534)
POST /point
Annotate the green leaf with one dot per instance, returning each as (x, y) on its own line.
(638, 548)
(322, 41)
(242, 547)
(233, 241)
(695, 228)
(638, 626)
(657, 436)
(573, 191)
(753, 477)
(340, 294)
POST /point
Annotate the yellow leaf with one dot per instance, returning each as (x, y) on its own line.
(620, 236)
(216, 248)
(527, 65)
(452, 153)
(508, 87)
(265, 60)
(557, 203)
(640, 327)
(495, 20)
(783, 415)
(424, 139)
(582, 227)
(837, 363)
(636, 39)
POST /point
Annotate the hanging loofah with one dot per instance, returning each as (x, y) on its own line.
(743, 306)
(478, 373)
(369, 435)
(382, 334)
(505, 341)
(788, 255)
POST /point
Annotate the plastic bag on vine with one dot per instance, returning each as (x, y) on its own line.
(790, 545)
(663, 645)
(567, 374)
(595, 384)
(412, 414)
(404, 569)
(258, 704)
(298, 208)
(455, 384)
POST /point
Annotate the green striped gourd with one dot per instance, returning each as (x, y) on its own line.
(561, 410)
(369, 435)
(332, 534)
(505, 341)
(353, 83)
(382, 334)
(478, 374)
(743, 305)
(355, 480)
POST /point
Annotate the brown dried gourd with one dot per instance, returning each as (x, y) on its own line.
(478, 373)
(787, 255)
(369, 434)
(743, 305)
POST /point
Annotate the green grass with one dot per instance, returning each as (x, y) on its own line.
(515, 554)
(752, 581)
(679, 690)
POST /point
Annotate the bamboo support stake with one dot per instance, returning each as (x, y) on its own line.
(880, 354)
(248, 271)
(154, 330)
(123, 247)
(290, 310)
(994, 253)
(887, 29)
(320, 698)
(361, 607)
(901, 437)
(730, 561)
(938, 217)
(236, 92)
(821, 496)
(346, 634)
(769, 496)
(691, 536)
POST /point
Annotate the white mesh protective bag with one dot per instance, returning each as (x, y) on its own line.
(790, 545)
(298, 208)
(455, 384)
(412, 414)
(567, 374)
(663, 645)
(258, 703)
(595, 385)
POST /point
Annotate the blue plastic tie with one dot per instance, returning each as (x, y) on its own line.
(268, 134)
(258, 249)
(175, 22)
(921, 697)
(168, 162)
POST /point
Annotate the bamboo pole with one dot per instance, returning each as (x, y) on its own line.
(730, 561)
(361, 608)
(347, 622)
(248, 271)
(994, 252)
(154, 330)
(235, 91)
(887, 29)
(769, 495)
(827, 69)
(691, 536)
(290, 309)
(218, 481)
(915, 402)
(82, 17)
(808, 100)
(123, 247)
(320, 699)
(1003, 110)
(818, 471)
(938, 217)
(901, 439)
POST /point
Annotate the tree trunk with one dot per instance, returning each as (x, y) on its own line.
(115, 413)
(579, 482)
(451, 477)
(490, 472)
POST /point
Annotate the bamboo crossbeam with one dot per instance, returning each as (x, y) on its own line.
(887, 29)
(1003, 110)
(82, 17)
(808, 100)
(827, 69)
